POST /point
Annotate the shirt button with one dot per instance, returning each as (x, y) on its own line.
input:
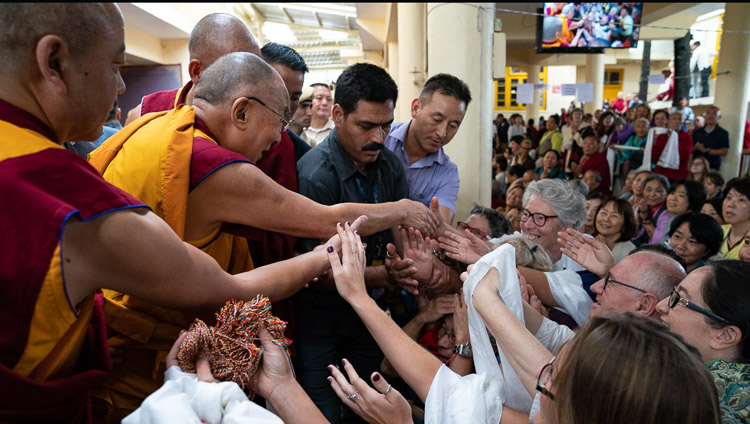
(421, 195)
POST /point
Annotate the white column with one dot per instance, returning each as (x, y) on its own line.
(459, 42)
(411, 56)
(532, 109)
(595, 74)
(392, 53)
(732, 89)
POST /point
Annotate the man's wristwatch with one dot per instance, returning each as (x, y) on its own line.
(463, 350)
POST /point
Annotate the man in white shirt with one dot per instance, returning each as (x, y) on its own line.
(701, 62)
(321, 124)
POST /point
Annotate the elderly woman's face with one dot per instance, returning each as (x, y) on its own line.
(654, 193)
(544, 235)
(641, 128)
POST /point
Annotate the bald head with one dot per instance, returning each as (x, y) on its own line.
(236, 75)
(218, 34)
(654, 272)
(24, 24)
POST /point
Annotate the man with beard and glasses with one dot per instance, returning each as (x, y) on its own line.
(350, 165)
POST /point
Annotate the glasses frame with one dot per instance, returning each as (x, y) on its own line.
(545, 372)
(535, 217)
(283, 120)
(609, 279)
(674, 299)
(472, 229)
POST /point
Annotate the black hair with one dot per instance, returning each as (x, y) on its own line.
(517, 170)
(502, 162)
(499, 224)
(704, 229)
(697, 43)
(741, 185)
(448, 85)
(556, 118)
(363, 81)
(283, 55)
(695, 192)
(725, 293)
(589, 132)
(661, 250)
(517, 138)
(557, 154)
(624, 208)
(717, 203)
(715, 178)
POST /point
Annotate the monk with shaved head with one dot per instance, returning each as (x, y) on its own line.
(194, 166)
(212, 37)
(67, 233)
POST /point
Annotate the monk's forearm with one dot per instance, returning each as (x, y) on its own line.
(280, 280)
(381, 216)
(413, 363)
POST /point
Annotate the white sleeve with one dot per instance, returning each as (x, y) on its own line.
(567, 290)
(553, 335)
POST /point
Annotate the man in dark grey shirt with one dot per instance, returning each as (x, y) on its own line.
(350, 165)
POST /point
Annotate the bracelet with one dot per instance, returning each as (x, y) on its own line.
(438, 254)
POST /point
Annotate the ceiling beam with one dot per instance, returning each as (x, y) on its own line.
(317, 18)
(286, 13)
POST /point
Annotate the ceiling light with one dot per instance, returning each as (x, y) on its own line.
(330, 35)
(278, 33)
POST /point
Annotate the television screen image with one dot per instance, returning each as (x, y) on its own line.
(585, 26)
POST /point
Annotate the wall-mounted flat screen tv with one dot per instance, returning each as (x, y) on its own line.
(587, 27)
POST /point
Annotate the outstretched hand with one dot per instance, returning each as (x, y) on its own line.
(401, 271)
(349, 270)
(468, 249)
(419, 217)
(419, 250)
(590, 253)
(335, 240)
(382, 406)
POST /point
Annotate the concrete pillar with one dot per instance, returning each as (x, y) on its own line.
(595, 74)
(411, 56)
(732, 89)
(532, 109)
(459, 42)
(392, 53)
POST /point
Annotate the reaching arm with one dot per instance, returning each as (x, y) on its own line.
(524, 352)
(414, 364)
(538, 280)
(240, 193)
(135, 252)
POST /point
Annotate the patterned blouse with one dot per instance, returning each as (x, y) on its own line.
(732, 380)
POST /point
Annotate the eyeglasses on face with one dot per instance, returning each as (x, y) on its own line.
(539, 219)
(283, 120)
(675, 298)
(476, 231)
(544, 378)
(609, 279)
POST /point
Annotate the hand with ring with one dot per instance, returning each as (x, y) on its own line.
(383, 406)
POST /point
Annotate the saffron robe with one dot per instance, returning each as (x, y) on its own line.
(51, 352)
(159, 158)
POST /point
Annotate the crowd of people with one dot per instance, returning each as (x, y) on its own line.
(604, 304)
(591, 24)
